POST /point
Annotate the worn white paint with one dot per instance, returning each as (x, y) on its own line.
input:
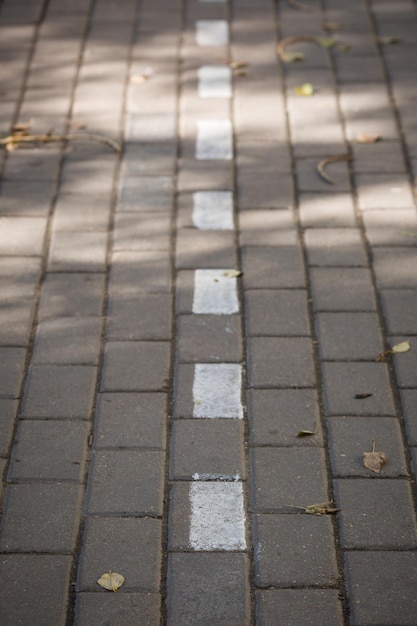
(214, 140)
(214, 293)
(217, 516)
(217, 477)
(217, 390)
(214, 81)
(212, 33)
(213, 210)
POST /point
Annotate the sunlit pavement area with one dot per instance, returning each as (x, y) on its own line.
(208, 312)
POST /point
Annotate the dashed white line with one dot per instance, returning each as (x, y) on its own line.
(214, 81)
(214, 140)
(217, 516)
(213, 210)
(217, 390)
(215, 293)
(212, 33)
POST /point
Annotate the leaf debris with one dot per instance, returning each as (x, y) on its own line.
(231, 273)
(323, 508)
(292, 57)
(300, 6)
(111, 581)
(12, 141)
(307, 433)
(304, 90)
(330, 159)
(367, 138)
(387, 41)
(403, 346)
(362, 396)
(374, 460)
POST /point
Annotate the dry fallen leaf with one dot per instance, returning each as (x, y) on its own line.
(327, 42)
(289, 57)
(12, 141)
(388, 40)
(374, 461)
(294, 57)
(324, 508)
(362, 396)
(331, 159)
(111, 581)
(365, 138)
(307, 433)
(232, 273)
(238, 65)
(304, 90)
(404, 346)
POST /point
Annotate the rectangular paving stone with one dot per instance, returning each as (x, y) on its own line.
(351, 437)
(311, 561)
(376, 514)
(299, 606)
(78, 252)
(141, 491)
(288, 269)
(139, 316)
(43, 582)
(342, 289)
(208, 249)
(130, 420)
(391, 227)
(380, 157)
(196, 175)
(389, 578)
(130, 545)
(376, 192)
(147, 159)
(216, 390)
(34, 164)
(145, 193)
(280, 362)
(23, 236)
(59, 391)
(16, 316)
(81, 212)
(264, 189)
(12, 361)
(305, 478)
(326, 210)
(266, 227)
(207, 449)
(335, 247)
(211, 210)
(135, 366)
(68, 340)
(208, 589)
(275, 312)
(28, 198)
(142, 231)
(277, 415)
(215, 292)
(209, 338)
(49, 450)
(395, 267)
(139, 271)
(154, 127)
(130, 608)
(18, 277)
(399, 306)
(41, 518)
(349, 336)
(71, 295)
(343, 381)
(8, 412)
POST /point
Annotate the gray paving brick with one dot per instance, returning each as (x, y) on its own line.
(409, 404)
(391, 228)
(141, 491)
(12, 361)
(379, 157)
(395, 267)
(43, 583)
(342, 289)
(258, 155)
(343, 381)
(272, 268)
(208, 249)
(126, 545)
(22, 236)
(349, 336)
(277, 415)
(78, 252)
(142, 231)
(350, 437)
(135, 366)
(376, 192)
(68, 340)
(305, 482)
(399, 306)
(71, 295)
(326, 210)
(389, 578)
(299, 606)
(154, 127)
(267, 228)
(208, 338)
(61, 392)
(207, 448)
(34, 164)
(301, 544)
(264, 189)
(335, 247)
(196, 175)
(28, 198)
(276, 312)
(49, 450)
(88, 170)
(18, 277)
(358, 68)
(8, 412)
(130, 420)
(41, 518)
(280, 362)
(139, 271)
(143, 316)
(145, 194)
(405, 367)
(148, 159)
(81, 212)
(129, 608)
(208, 589)
(16, 322)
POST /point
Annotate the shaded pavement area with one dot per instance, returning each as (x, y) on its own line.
(207, 256)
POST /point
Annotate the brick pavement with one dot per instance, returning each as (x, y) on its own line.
(172, 316)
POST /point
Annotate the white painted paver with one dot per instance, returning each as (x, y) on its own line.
(213, 210)
(217, 516)
(217, 390)
(214, 81)
(212, 33)
(214, 140)
(215, 293)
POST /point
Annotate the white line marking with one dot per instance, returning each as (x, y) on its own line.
(213, 210)
(212, 33)
(217, 477)
(217, 516)
(217, 390)
(214, 293)
(214, 82)
(214, 140)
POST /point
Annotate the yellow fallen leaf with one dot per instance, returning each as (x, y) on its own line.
(304, 90)
(365, 138)
(111, 581)
(293, 57)
(232, 273)
(374, 460)
(238, 65)
(404, 346)
(327, 42)
(324, 508)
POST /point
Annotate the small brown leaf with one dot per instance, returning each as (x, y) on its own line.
(238, 65)
(365, 138)
(331, 159)
(387, 41)
(362, 396)
(111, 581)
(374, 461)
(324, 508)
